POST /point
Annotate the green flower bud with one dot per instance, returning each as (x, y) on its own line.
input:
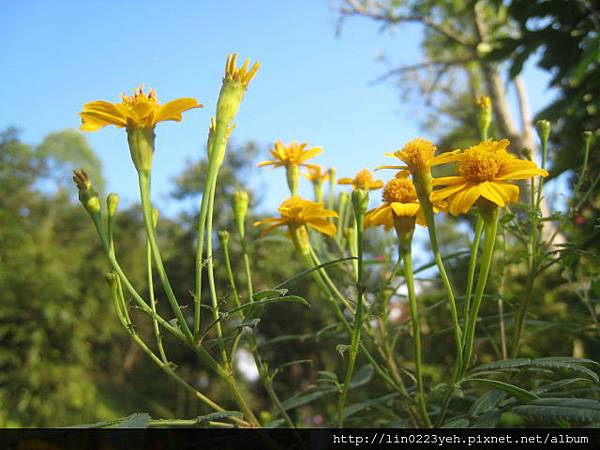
(111, 278)
(87, 195)
(360, 201)
(112, 203)
(141, 147)
(484, 114)
(223, 237)
(543, 128)
(240, 208)
(587, 137)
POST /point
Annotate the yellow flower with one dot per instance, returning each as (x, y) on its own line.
(297, 212)
(294, 154)
(419, 157)
(315, 174)
(139, 110)
(485, 170)
(399, 199)
(363, 180)
(241, 74)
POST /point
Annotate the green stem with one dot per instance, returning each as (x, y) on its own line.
(323, 286)
(428, 212)
(232, 284)
(491, 227)
(414, 314)
(358, 320)
(144, 181)
(159, 343)
(119, 304)
(211, 277)
(473, 264)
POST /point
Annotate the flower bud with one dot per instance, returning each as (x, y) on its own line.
(587, 137)
(87, 195)
(360, 202)
(111, 278)
(112, 203)
(293, 177)
(405, 228)
(223, 237)
(141, 147)
(484, 114)
(543, 128)
(240, 208)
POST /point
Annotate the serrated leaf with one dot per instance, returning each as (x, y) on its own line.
(487, 402)
(488, 420)
(460, 422)
(269, 294)
(517, 392)
(218, 416)
(550, 410)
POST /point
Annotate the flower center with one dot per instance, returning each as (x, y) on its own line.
(399, 190)
(483, 162)
(417, 154)
(139, 97)
(363, 179)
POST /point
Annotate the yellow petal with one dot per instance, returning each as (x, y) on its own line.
(405, 209)
(446, 157)
(310, 153)
(101, 119)
(493, 195)
(442, 181)
(323, 225)
(106, 109)
(447, 191)
(345, 181)
(267, 163)
(464, 200)
(172, 110)
(392, 167)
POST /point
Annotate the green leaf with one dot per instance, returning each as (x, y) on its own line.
(341, 349)
(459, 422)
(269, 294)
(503, 365)
(136, 420)
(218, 416)
(550, 410)
(362, 376)
(488, 420)
(487, 402)
(517, 392)
(357, 407)
(303, 399)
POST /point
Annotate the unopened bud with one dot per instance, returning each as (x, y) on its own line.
(241, 201)
(223, 237)
(111, 278)
(543, 128)
(587, 137)
(360, 201)
(87, 195)
(112, 203)
(484, 114)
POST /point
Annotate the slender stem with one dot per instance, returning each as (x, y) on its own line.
(501, 298)
(232, 284)
(472, 264)
(428, 212)
(198, 349)
(358, 320)
(325, 289)
(159, 343)
(211, 276)
(414, 314)
(119, 304)
(144, 181)
(491, 227)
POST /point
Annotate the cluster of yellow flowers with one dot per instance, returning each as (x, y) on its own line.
(484, 172)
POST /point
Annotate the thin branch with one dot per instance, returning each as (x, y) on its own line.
(357, 9)
(445, 63)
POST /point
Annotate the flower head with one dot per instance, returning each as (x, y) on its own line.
(485, 170)
(418, 156)
(294, 154)
(241, 74)
(399, 199)
(363, 180)
(316, 174)
(140, 110)
(296, 213)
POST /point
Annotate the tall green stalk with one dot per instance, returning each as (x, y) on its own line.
(144, 182)
(358, 315)
(406, 253)
(490, 216)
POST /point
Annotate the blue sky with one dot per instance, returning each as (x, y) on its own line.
(313, 86)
